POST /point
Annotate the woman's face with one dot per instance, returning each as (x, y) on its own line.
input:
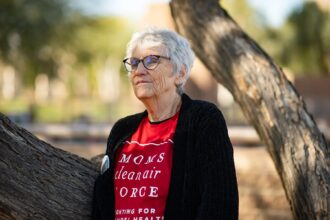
(156, 82)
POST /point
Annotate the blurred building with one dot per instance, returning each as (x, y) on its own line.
(316, 94)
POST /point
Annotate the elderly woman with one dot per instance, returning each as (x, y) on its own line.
(174, 160)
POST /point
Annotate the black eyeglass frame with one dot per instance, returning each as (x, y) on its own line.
(142, 60)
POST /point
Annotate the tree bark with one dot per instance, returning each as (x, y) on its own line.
(39, 181)
(269, 101)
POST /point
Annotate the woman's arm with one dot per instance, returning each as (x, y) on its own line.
(219, 193)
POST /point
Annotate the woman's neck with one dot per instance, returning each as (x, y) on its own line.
(160, 108)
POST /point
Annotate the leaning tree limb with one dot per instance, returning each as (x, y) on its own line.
(268, 100)
(39, 181)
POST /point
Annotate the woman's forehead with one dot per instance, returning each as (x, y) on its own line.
(142, 50)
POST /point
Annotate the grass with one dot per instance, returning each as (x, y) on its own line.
(87, 110)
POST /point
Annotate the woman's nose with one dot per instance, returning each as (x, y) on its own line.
(140, 68)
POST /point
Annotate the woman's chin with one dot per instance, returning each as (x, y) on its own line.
(143, 94)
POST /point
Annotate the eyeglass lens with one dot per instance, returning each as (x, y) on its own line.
(149, 62)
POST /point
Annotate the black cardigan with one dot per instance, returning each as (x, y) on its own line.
(203, 180)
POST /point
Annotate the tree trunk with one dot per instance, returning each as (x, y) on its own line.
(39, 181)
(269, 101)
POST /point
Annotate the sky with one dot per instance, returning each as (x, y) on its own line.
(275, 12)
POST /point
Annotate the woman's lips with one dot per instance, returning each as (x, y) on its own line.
(141, 82)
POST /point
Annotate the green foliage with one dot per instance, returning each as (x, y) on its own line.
(88, 110)
(308, 49)
(41, 36)
(98, 38)
(301, 44)
(96, 41)
(28, 29)
(248, 18)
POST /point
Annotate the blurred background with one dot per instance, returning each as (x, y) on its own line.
(62, 78)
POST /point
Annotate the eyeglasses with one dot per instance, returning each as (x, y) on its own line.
(149, 62)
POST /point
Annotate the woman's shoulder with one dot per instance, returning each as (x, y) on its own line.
(123, 127)
(204, 115)
(204, 105)
(197, 105)
(204, 109)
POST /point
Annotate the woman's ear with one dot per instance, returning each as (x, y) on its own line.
(181, 76)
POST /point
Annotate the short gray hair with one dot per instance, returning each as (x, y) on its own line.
(177, 48)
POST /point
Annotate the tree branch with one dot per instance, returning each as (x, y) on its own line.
(39, 181)
(269, 101)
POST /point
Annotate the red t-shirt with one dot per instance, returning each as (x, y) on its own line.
(143, 171)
